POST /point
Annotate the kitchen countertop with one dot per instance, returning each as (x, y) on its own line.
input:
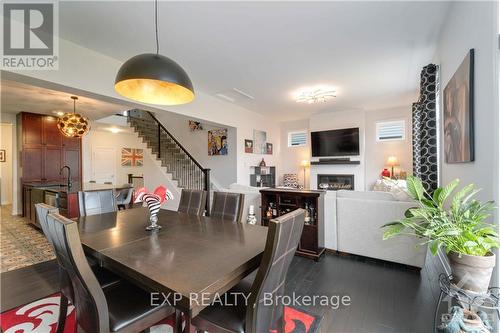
(85, 187)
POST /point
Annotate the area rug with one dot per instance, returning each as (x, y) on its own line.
(41, 317)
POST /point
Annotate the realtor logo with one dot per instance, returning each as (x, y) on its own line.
(28, 36)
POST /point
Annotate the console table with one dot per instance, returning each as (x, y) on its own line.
(282, 201)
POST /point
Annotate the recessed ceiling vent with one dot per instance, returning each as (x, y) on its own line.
(234, 95)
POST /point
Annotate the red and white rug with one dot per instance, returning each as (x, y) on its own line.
(41, 317)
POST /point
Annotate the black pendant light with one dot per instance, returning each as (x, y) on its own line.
(153, 78)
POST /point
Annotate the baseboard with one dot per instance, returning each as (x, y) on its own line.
(373, 260)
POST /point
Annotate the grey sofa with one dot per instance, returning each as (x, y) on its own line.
(359, 216)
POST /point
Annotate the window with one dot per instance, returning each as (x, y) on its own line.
(391, 130)
(297, 139)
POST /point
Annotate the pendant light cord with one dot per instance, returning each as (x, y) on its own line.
(156, 28)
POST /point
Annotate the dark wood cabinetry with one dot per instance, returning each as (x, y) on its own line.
(44, 150)
(282, 201)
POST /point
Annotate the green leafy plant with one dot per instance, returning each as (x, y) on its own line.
(458, 224)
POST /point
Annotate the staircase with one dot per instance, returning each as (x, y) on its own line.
(185, 170)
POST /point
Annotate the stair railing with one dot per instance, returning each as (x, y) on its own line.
(188, 174)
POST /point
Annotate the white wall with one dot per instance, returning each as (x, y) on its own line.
(290, 157)
(154, 174)
(475, 25)
(376, 153)
(6, 167)
(91, 71)
(9, 118)
(373, 154)
(223, 167)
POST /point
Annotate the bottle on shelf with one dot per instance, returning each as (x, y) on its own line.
(275, 211)
(269, 212)
(307, 218)
(312, 213)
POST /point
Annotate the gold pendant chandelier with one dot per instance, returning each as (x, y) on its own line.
(73, 125)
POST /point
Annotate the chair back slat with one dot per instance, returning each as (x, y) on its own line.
(282, 240)
(228, 206)
(192, 202)
(96, 202)
(87, 296)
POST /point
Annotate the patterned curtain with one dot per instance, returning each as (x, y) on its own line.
(424, 126)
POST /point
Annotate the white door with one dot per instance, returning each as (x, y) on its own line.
(103, 164)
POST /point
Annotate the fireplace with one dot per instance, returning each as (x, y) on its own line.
(336, 182)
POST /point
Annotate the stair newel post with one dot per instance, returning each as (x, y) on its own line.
(207, 188)
(159, 141)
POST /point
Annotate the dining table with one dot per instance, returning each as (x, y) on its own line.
(191, 261)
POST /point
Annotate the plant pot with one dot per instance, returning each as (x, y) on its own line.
(472, 272)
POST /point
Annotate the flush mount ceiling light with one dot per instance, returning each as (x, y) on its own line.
(73, 125)
(315, 95)
(153, 78)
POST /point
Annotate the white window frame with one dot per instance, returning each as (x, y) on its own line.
(290, 138)
(379, 123)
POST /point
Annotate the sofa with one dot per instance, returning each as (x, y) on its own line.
(359, 216)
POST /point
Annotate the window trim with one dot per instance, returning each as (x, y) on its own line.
(289, 141)
(377, 126)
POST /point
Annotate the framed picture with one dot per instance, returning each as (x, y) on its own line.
(132, 157)
(458, 105)
(248, 146)
(259, 141)
(195, 126)
(269, 148)
(3, 156)
(217, 142)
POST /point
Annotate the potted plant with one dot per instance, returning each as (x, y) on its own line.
(456, 225)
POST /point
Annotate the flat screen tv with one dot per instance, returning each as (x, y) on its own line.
(341, 142)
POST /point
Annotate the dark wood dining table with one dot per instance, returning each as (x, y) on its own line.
(190, 256)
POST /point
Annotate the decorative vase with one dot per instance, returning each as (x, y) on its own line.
(251, 219)
(386, 173)
(262, 163)
(472, 272)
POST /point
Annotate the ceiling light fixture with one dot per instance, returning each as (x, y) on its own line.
(153, 78)
(315, 95)
(73, 125)
(114, 130)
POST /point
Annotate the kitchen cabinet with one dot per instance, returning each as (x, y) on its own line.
(44, 151)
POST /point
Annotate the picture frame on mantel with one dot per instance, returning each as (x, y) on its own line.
(458, 106)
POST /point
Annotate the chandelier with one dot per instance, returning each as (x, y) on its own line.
(73, 125)
(315, 96)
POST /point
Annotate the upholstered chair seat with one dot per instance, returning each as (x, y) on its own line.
(253, 316)
(193, 202)
(228, 206)
(96, 202)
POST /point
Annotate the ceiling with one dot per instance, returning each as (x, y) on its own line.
(17, 97)
(371, 52)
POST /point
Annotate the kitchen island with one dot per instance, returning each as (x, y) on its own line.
(59, 195)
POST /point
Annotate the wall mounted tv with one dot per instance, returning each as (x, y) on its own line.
(341, 142)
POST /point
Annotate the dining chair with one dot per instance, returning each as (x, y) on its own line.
(251, 314)
(193, 202)
(121, 308)
(124, 197)
(105, 277)
(227, 206)
(96, 202)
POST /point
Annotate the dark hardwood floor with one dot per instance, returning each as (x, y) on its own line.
(384, 297)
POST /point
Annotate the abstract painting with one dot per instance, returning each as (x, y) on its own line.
(458, 103)
(248, 146)
(132, 157)
(259, 141)
(217, 142)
